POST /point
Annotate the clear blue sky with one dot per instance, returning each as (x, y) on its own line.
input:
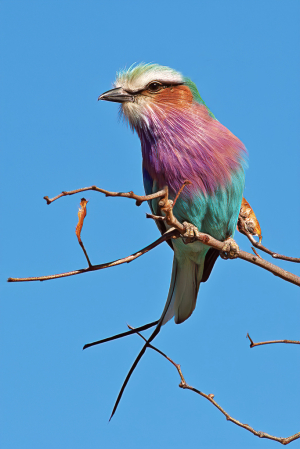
(57, 58)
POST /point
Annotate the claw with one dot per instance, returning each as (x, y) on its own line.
(191, 232)
(230, 249)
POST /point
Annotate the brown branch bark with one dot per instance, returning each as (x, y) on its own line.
(85, 253)
(204, 238)
(210, 397)
(164, 194)
(256, 260)
(168, 235)
(139, 198)
(166, 206)
(252, 344)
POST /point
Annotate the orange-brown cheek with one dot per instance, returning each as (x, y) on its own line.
(174, 96)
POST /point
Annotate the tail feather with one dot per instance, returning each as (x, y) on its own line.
(210, 260)
(184, 287)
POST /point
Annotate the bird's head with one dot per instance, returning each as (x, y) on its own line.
(147, 89)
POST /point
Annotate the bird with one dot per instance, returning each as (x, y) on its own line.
(181, 140)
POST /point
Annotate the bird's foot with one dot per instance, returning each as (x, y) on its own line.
(230, 249)
(191, 232)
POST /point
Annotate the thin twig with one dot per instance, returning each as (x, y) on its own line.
(258, 245)
(252, 344)
(210, 397)
(186, 183)
(255, 252)
(271, 253)
(85, 253)
(156, 217)
(165, 204)
(204, 238)
(168, 235)
(139, 198)
(157, 350)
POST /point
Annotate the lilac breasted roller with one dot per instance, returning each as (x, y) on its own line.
(182, 140)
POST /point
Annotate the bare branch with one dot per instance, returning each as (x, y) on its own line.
(204, 238)
(156, 217)
(252, 344)
(214, 243)
(242, 227)
(210, 397)
(166, 206)
(168, 235)
(283, 274)
(274, 269)
(255, 252)
(271, 253)
(139, 198)
(185, 183)
(85, 253)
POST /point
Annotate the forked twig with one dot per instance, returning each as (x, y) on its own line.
(139, 198)
(168, 235)
(252, 344)
(210, 397)
(166, 206)
(258, 245)
(204, 238)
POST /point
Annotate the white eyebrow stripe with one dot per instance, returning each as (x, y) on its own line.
(132, 82)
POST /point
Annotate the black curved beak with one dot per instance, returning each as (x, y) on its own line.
(117, 95)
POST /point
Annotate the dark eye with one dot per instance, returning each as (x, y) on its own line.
(154, 87)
